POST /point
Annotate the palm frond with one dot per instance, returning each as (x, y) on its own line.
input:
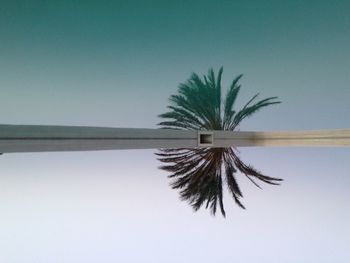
(247, 110)
(230, 101)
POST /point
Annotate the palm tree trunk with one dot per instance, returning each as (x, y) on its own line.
(38, 138)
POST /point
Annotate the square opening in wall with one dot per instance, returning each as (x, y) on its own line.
(205, 139)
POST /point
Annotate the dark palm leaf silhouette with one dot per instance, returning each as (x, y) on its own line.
(200, 173)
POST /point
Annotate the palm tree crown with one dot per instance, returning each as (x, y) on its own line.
(200, 173)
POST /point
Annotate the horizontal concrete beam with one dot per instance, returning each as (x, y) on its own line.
(313, 138)
(38, 138)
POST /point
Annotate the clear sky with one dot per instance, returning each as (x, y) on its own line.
(115, 63)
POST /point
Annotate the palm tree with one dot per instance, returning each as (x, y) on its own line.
(200, 173)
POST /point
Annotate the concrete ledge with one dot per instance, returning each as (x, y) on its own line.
(315, 138)
(37, 138)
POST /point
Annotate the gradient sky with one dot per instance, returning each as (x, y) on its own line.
(115, 64)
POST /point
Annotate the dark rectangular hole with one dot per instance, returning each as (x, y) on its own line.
(206, 139)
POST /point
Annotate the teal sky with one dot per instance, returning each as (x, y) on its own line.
(115, 63)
